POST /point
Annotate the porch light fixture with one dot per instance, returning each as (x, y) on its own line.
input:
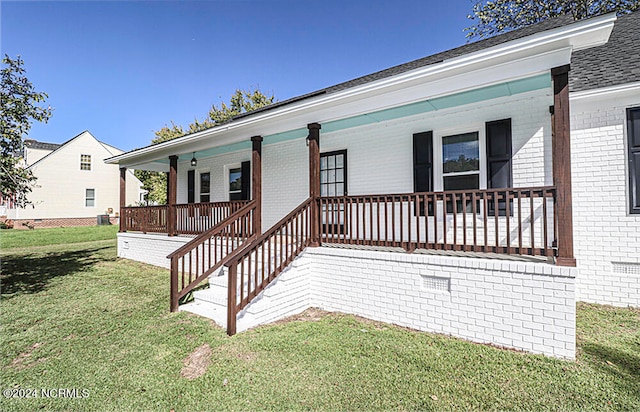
(194, 161)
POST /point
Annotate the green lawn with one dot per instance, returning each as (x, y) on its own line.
(55, 236)
(76, 317)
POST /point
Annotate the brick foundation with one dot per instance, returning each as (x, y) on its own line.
(23, 224)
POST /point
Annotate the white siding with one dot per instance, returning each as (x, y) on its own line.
(33, 155)
(60, 188)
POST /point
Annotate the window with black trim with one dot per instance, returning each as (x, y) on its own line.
(85, 162)
(205, 187)
(333, 173)
(333, 182)
(633, 140)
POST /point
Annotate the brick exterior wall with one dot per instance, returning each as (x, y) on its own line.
(22, 224)
(523, 305)
(606, 236)
(149, 248)
(527, 306)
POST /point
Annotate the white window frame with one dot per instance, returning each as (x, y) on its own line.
(89, 163)
(438, 155)
(95, 196)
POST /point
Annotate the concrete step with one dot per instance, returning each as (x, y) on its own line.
(216, 296)
(216, 313)
(212, 302)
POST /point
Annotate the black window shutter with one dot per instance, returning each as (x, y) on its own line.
(245, 179)
(499, 174)
(191, 183)
(423, 166)
(633, 134)
(423, 162)
(499, 155)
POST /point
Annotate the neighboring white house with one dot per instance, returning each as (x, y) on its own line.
(73, 185)
(508, 168)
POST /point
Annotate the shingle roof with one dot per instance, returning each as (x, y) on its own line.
(34, 144)
(611, 64)
(616, 62)
(427, 61)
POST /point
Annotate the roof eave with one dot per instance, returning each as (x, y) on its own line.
(578, 35)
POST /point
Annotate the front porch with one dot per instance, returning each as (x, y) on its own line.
(511, 221)
(503, 198)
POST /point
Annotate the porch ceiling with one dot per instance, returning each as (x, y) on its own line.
(505, 89)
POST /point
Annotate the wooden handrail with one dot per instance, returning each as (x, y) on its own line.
(509, 220)
(196, 260)
(190, 218)
(254, 266)
(208, 233)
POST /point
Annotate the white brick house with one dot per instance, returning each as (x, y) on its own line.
(477, 161)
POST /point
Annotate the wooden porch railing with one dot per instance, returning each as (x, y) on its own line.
(196, 260)
(512, 221)
(144, 219)
(257, 264)
(194, 218)
(191, 218)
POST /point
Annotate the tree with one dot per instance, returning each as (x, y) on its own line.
(241, 101)
(19, 110)
(497, 16)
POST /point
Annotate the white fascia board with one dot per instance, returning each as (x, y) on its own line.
(461, 82)
(623, 95)
(582, 34)
(606, 91)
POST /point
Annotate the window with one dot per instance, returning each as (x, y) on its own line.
(633, 136)
(85, 162)
(333, 182)
(461, 161)
(333, 173)
(205, 187)
(235, 183)
(239, 181)
(465, 161)
(90, 197)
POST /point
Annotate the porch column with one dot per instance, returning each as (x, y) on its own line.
(314, 180)
(172, 185)
(123, 197)
(561, 148)
(256, 182)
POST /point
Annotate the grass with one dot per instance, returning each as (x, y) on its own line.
(55, 236)
(75, 316)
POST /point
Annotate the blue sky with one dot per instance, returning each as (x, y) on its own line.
(123, 69)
